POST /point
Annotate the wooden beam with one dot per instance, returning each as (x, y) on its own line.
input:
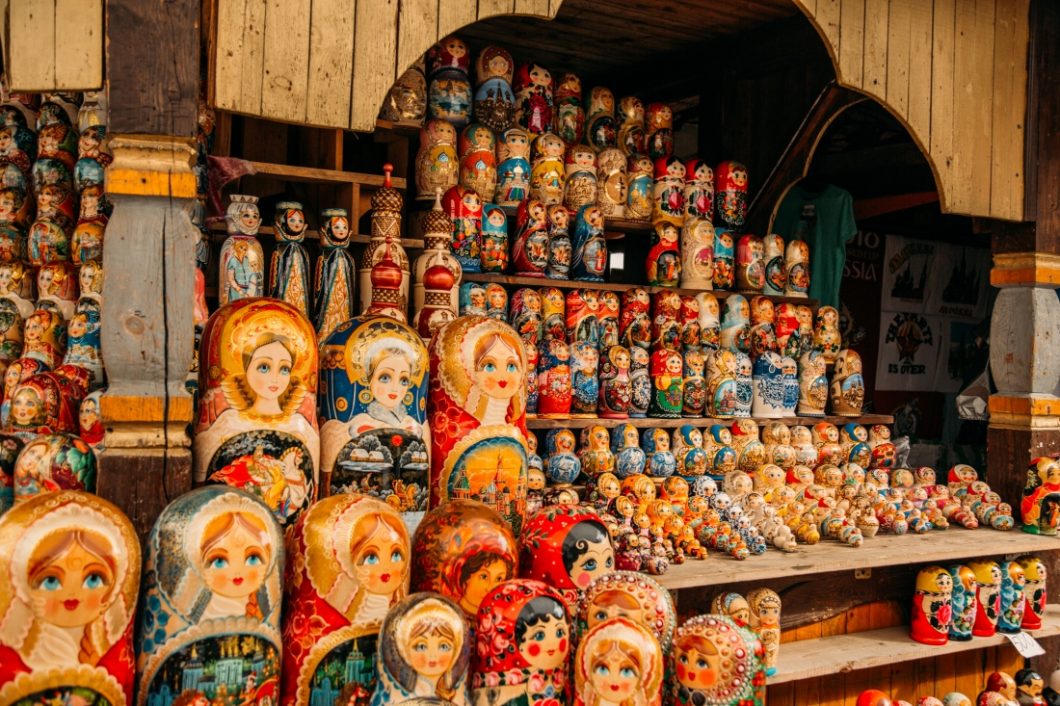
(870, 208)
(1043, 126)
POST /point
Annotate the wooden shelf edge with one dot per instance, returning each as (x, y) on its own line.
(409, 243)
(313, 174)
(839, 654)
(653, 423)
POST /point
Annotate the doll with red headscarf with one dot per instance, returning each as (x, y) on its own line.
(567, 547)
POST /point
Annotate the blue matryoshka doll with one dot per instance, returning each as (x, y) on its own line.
(661, 461)
(735, 323)
(686, 440)
(585, 385)
(449, 91)
(629, 457)
(494, 99)
(563, 465)
(962, 602)
(590, 249)
(374, 437)
(720, 448)
(513, 170)
(472, 299)
(1013, 602)
(494, 252)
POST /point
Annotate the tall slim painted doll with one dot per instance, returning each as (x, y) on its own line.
(289, 278)
(464, 206)
(513, 168)
(387, 205)
(590, 249)
(530, 250)
(335, 273)
(242, 272)
(618, 662)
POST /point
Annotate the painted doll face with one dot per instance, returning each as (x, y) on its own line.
(381, 562)
(613, 675)
(26, 407)
(432, 653)
(391, 380)
(89, 414)
(539, 76)
(497, 372)
(545, 644)
(235, 564)
(295, 221)
(483, 581)
(78, 326)
(249, 218)
(614, 604)
(498, 298)
(697, 664)
(596, 560)
(71, 578)
(269, 371)
(340, 229)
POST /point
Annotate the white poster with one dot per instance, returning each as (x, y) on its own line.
(909, 351)
(908, 274)
(962, 277)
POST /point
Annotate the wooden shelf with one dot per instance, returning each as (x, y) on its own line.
(827, 556)
(838, 654)
(321, 176)
(408, 243)
(653, 423)
(623, 226)
(399, 127)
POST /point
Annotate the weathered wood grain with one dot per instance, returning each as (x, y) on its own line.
(374, 60)
(329, 85)
(285, 62)
(851, 42)
(31, 44)
(78, 57)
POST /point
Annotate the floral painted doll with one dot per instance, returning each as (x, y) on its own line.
(714, 663)
(632, 595)
(963, 602)
(932, 612)
(530, 250)
(566, 546)
(618, 663)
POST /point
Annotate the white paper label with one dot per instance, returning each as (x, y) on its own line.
(1026, 645)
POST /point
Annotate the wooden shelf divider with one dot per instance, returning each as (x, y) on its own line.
(408, 243)
(321, 176)
(654, 423)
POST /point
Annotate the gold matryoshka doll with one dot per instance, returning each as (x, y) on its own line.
(618, 662)
(715, 661)
(257, 425)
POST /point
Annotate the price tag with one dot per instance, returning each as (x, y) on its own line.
(1026, 645)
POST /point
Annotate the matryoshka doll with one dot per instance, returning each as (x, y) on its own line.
(715, 661)
(554, 394)
(776, 274)
(462, 550)
(763, 333)
(665, 327)
(530, 251)
(988, 597)
(709, 321)
(212, 593)
(631, 125)
(497, 302)
(932, 609)
(661, 461)
(698, 191)
(730, 196)
(242, 271)
(813, 384)
(70, 581)
(478, 160)
(640, 187)
(547, 172)
(478, 416)
(90, 424)
(616, 388)
(44, 337)
(596, 455)
(668, 201)
(848, 386)
(580, 184)
(600, 129)
(57, 288)
(563, 466)
(585, 384)
(735, 323)
(449, 90)
(494, 253)
(348, 564)
(437, 166)
(789, 340)
(406, 102)
(464, 207)
(472, 299)
(629, 457)
(764, 604)
(513, 168)
(640, 381)
(750, 264)
(722, 387)
(612, 181)
(634, 596)
(560, 248)
(554, 313)
(10, 446)
(1040, 504)
(610, 310)
(567, 547)
(289, 277)
(797, 267)
(83, 344)
(659, 135)
(494, 100)
(694, 395)
(663, 263)
(531, 619)
(634, 323)
(335, 272)
(257, 422)
(768, 379)
(618, 662)
(374, 437)
(533, 98)
(525, 316)
(49, 463)
(86, 242)
(667, 372)
(963, 602)
(1013, 602)
(437, 256)
(569, 114)
(724, 259)
(826, 333)
(697, 254)
(589, 260)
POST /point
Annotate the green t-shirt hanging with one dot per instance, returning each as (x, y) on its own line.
(825, 220)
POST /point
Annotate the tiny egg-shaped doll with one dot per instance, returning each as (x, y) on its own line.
(567, 547)
(632, 595)
(932, 608)
(618, 661)
(1034, 590)
(630, 459)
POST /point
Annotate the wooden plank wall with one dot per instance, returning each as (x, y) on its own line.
(330, 63)
(955, 73)
(53, 44)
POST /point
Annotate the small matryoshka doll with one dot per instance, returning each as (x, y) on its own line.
(1034, 591)
(83, 344)
(449, 90)
(533, 98)
(289, 277)
(567, 547)
(629, 457)
(86, 242)
(554, 313)
(722, 388)
(472, 299)
(560, 248)
(583, 316)
(765, 621)
(462, 550)
(569, 114)
(667, 372)
(585, 384)
(963, 602)
(797, 267)
(44, 337)
(374, 435)
(697, 254)
(437, 166)
(789, 341)
(634, 596)
(750, 263)
(730, 197)
(724, 259)
(1040, 504)
(242, 262)
(610, 311)
(813, 384)
(634, 323)
(987, 596)
(666, 312)
(932, 609)
(257, 423)
(668, 201)
(616, 388)
(212, 591)
(735, 323)
(406, 102)
(494, 99)
(478, 160)
(464, 207)
(848, 386)
(768, 378)
(612, 181)
(618, 662)
(513, 168)
(661, 461)
(826, 335)
(547, 172)
(589, 261)
(497, 302)
(423, 653)
(531, 395)
(580, 184)
(10, 446)
(525, 315)
(1013, 602)
(694, 395)
(659, 135)
(49, 463)
(776, 275)
(478, 415)
(640, 187)
(530, 251)
(631, 125)
(596, 455)
(335, 273)
(709, 321)
(563, 466)
(715, 661)
(600, 128)
(494, 253)
(698, 191)
(641, 382)
(70, 581)
(763, 331)
(664, 258)
(531, 619)
(554, 394)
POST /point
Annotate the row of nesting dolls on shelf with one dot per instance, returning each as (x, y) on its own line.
(227, 609)
(1026, 688)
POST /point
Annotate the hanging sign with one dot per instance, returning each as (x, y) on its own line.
(908, 274)
(909, 351)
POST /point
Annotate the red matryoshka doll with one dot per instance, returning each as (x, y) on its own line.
(583, 316)
(640, 187)
(560, 248)
(664, 258)
(477, 148)
(659, 136)
(1040, 505)
(478, 416)
(547, 172)
(1034, 591)
(212, 593)
(634, 323)
(776, 275)
(580, 185)
(688, 318)
(750, 263)
(437, 166)
(44, 337)
(697, 254)
(494, 100)
(874, 697)
(554, 313)
(464, 207)
(631, 595)
(90, 423)
(530, 251)
(600, 128)
(797, 267)
(610, 310)
(699, 191)
(667, 372)
(554, 392)
(716, 661)
(449, 90)
(494, 253)
(70, 581)
(569, 115)
(631, 125)
(525, 315)
(612, 181)
(988, 597)
(463, 550)
(730, 196)
(567, 547)
(616, 388)
(668, 201)
(257, 423)
(348, 564)
(513, 168)
(618, 662)
(530, 619)
(932, 610)
(46, 403)
(789, 341)
(533, 98)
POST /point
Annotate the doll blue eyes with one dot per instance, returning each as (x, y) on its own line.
(590, 565)
(489, 368)
(602, 670)
(627, 672)
(538, 636)
(254, 560)
(511, 367)
(264, 368)
(51, 583)
(93, 581)
(370, 559)
(396, 556)
(219, 563)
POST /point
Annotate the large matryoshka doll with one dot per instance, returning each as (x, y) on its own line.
(530, 251)
(494, 253)
(494, 100)
(478, 416)
(348, 565)
(449, 90)
(640, 187)
(464, 207)
(730, 196)
(600, 129)
(567, 547)
(513, 167)
(289, 277)
(533, 98)
(478, 160)
(531, 620)
(612, 182)
(987, 597)
(547, 171)
(659, 131)
(632, 595)
(437, 166)
(374, 438)
(716, 661)
(569, 116)
(580, 184)
(932, 606)
(334, 281)
(463, 550)
(257, 421)
(619, 661)
(963, 602)
(1040, 505)
(423, 654)
(242, 270)
(211, 601)
(71, 573)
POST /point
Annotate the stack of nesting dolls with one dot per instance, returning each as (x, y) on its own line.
(1025, 688)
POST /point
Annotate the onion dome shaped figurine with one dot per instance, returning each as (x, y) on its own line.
(530, 250)
(711, 640)
(750, 264)
(563, 466)
(406, 102)
(494, 253)
(797, 267)
(663, 263)
(547, 171)
(963, 602)
(533, 98)
(513, 167)
(569, 115)
(580, 185)
(987, 597)
(668, 200)
(560, 248)
(590, 249)
(641, 382)
(257, 423)
(612, 182)
(567, 547)
(242, 262)
(554, 384)
(640, 188)
(335, 272)
(1013, 602)
(616, 388)
(730, 194)
(478, 160)
(464, 207)
(629, 457)
(776, 274)
(463, 550)
(387, 204)
(494, 99)
(437, 166)
(439, 302)
(289, 278)
(600, 128)
(932, 608)
(659, 135)
(449, 89)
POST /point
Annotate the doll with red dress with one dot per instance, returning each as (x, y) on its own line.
(533, 98)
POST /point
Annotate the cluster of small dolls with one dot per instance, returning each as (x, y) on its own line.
(1026, 688)
(53, 213)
